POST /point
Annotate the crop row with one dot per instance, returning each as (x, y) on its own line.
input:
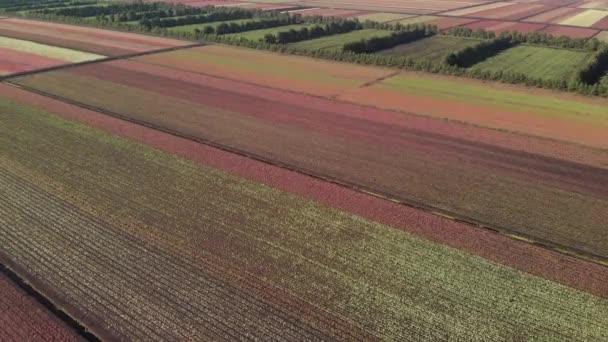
(104, 233)
(423, 167)
(581, 275)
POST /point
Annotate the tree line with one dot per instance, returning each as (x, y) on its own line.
(378, 43)
(316, 31)
(471, 55)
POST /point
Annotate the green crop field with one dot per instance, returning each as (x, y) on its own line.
(259, 34)
(191, 28)
(337, 41)
(535, 61)
(433, 48)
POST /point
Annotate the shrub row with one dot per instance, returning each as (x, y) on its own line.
(375, 43)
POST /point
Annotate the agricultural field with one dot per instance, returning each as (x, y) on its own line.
(432, 48)
(97, 41)
(535, 61)
(18, 56)
(273, 70)
(505, 26)
(176, 190)
(23, 318)
(383, 17)
(474, 102)
(429, 174)
(266, 279)
(337, 41)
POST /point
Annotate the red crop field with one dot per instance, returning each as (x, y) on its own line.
(505, 26)
(555, 15)
(98, 41)
(602, 24)
(512, 12)
(22, 318)
(319, 135)
(573, 272)
(446, 22)
(574, 32)
(329, 12)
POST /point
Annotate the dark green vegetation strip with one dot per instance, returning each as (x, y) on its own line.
(240, 258)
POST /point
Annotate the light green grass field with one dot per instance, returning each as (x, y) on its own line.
(259, 34)
(535, 61)
(521, 101)
(433, 48)
(53, 52)
(336, 42)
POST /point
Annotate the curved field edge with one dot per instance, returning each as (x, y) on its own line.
(22, 318)
(389, 282)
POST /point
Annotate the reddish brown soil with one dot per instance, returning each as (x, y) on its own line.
(535, 260)
(549, 127)
(97, 33)
(22, 318)
(26, 61)
(393, 136)
(448, 22)
(554, 15)
(90, 46)
(513, 12)
(602, 24)
(520, 143)
(573, 32)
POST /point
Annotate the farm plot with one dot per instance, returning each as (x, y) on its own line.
(505, 26)
(328, 12)
(259, 34)
(555, 15)
(336, 42)
(245, 259)
(19, 56)
(383, 17)
(103, 42)
(585, 19)
(22, 318)
(273, 70)
(500, 107)
(573, 32)
(433, 48)
(385, 157)
(535, 61)
(510, 11)
(394, 6)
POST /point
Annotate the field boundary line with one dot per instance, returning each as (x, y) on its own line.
(100, 60)
(380, 79)
(453, 216)
(40, 294)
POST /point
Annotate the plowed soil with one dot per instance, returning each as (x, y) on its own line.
(22, 318)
